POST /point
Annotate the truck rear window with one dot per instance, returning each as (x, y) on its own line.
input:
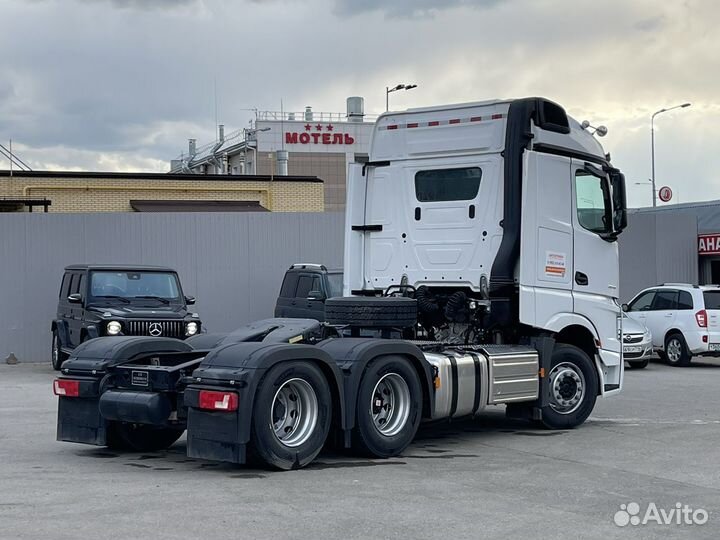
(447, 184)
(712, 299)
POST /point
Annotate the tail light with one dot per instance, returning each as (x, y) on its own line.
(66, 388)
(218, 401)
(701, 318)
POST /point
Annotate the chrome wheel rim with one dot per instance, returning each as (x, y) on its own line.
(390, 404)
(55, 351)
(294, 412)
(567, 388)
(674, 350)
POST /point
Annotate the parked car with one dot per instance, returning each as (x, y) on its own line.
(684, 320)
(637, 343)
(304, 290)
(105, 300)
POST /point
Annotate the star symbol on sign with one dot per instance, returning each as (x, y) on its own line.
(318, 127)
(308, 127)
(329, 127)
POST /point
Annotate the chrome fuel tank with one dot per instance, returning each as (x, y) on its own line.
(463, 378)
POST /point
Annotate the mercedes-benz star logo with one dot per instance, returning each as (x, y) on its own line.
(155, 329)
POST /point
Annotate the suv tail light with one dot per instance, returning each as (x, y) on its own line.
(701, 318)
(66, 387)
(218, 401)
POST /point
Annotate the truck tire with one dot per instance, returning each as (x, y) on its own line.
(371, 311)
(573, 387)
(676, 351)
(58, 357)
(291, 416)
(140, 437)
(389, 408)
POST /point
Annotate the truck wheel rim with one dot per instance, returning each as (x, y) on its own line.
(294, 412)
(674, 350)
(55, 351)
(567, 387)
(390, 404)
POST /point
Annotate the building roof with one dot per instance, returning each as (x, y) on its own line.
(160, 176)
(120, 267)
(706, 212)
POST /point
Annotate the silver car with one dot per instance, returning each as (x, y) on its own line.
(637, 343)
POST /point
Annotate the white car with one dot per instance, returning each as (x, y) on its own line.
(684, 320)
(637, 343)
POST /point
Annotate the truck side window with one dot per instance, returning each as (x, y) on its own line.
(592, 202)
(289, 284)
(304, 286)
(447, 184)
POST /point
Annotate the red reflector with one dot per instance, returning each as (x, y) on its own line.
(701, 318)
(434, 123)
(67, 388)
(454, 121)
(476, 119)
(218, 401)
(496, 116)
(414, 124)
(705, 339)
(392, 126)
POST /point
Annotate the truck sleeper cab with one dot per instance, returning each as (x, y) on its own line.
(480, 247)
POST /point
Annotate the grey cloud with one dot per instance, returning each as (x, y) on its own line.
(143, 4)
(650, 24)
(406, 8)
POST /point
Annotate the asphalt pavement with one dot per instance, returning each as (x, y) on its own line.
(656, 445)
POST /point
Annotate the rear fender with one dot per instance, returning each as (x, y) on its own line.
(63, 331)
(353, 355)
(244, 365)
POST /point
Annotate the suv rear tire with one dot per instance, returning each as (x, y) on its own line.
(676, 351)
(372, 311)
(57, 356)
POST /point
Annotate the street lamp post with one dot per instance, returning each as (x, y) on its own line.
(388, 90)
(652, 144)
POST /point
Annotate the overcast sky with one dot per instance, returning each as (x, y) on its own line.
(122, 84)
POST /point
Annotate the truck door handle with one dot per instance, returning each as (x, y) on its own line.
(580, 278)
(367, 228)
(417, 213)
(471, 211)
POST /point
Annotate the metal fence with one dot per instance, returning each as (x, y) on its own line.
(232, 262)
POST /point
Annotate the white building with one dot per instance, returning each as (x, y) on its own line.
(304, 143)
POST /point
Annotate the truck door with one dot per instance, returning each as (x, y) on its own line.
(596, 273)
(381, 261)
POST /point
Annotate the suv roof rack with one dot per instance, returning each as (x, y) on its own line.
(302, 266)
(679, 285)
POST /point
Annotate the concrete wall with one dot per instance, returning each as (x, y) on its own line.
(232, 262)
(657, 248)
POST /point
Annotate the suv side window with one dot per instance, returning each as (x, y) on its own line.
(665, 300)
(316, 286)
(289, 285)
(64, 286)
(81, 284)
(75, 287)
(685, 300)
(643, 302)
(304, 287)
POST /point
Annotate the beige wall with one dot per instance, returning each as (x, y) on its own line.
(114, 194)
(332, 168)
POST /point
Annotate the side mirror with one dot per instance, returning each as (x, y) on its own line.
(316, 295)
(75, 298)
(189, 300)
(625, 308)
(619, 200)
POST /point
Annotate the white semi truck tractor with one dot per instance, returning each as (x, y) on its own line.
(481, 269)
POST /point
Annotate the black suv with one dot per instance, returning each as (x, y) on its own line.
(107, 300)
(304, 291)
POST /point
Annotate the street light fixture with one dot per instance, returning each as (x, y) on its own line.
(388, 90)
(652, 144)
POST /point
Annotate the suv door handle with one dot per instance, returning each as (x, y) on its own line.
(581, 279)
